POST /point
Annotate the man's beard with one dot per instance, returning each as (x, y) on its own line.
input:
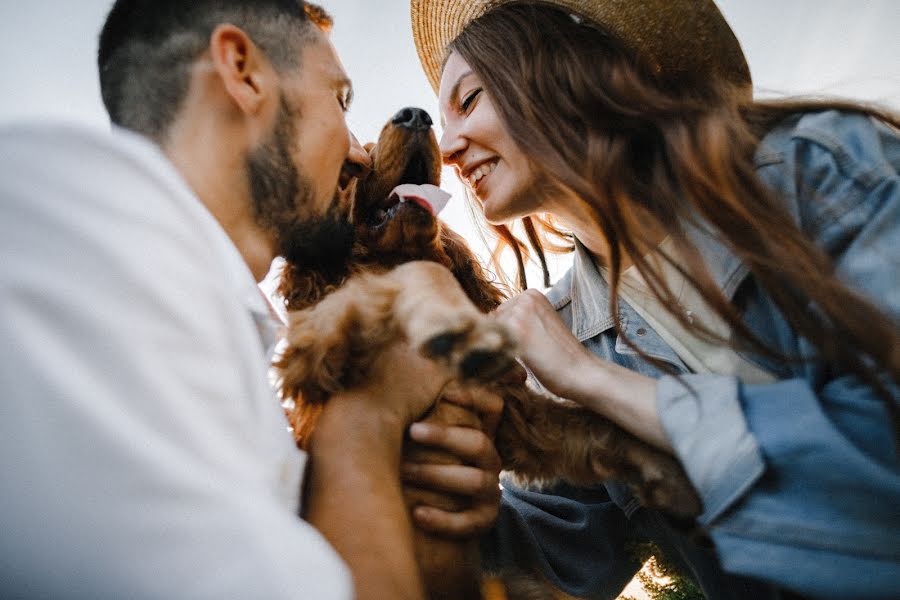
(280, 194)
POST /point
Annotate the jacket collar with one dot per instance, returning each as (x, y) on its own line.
(588, 294)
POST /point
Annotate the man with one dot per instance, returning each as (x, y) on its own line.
(143, 454)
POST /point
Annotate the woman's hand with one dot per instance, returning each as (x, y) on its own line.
(477, 478)
(569, 370)
(545, 344)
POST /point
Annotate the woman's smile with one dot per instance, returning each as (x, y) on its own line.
(477, 176)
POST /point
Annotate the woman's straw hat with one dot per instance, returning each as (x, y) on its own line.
(678, 37)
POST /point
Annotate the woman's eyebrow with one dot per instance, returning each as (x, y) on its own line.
(455, 89)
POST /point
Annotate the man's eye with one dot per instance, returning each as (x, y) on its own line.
(467, 101)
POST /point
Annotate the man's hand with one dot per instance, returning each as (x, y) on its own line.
(402, 383)
(476, 478)
(353, 493)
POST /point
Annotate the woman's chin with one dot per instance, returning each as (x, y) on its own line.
(495, 218)
(496, 213)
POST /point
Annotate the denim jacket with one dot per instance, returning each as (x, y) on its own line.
(800, 479)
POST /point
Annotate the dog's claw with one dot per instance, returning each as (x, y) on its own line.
(443, 343)
(485, 364)
(482, 350)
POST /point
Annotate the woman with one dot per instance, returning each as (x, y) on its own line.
(734, 297)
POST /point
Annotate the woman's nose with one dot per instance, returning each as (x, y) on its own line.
(452, 144)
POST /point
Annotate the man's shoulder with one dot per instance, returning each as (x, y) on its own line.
(61, 140)
(70, 172)
(71, 190)
(94, 156)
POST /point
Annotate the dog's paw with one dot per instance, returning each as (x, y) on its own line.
(477, 349)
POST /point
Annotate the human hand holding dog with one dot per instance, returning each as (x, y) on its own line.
(569, 370)
(353, 493)
(476, 478)
(545, 344)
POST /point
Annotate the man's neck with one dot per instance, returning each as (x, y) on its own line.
(215, 171)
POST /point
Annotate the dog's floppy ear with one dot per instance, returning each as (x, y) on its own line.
(479, 284)
(301, 288)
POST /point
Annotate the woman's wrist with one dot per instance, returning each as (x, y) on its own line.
(585, 381)
(621, 395)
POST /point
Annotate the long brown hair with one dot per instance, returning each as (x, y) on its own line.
(596, 120)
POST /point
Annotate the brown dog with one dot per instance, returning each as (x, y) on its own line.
(414, 279)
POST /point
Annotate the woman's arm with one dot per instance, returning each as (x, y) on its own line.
(569, 370)
(799, 478)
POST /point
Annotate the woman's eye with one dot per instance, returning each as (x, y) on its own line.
(467, 101)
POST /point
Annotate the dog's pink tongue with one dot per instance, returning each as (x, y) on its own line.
(432, 195)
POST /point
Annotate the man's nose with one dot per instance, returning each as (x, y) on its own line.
(412, 118)
(358, 161)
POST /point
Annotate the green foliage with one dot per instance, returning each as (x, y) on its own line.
(660, 579)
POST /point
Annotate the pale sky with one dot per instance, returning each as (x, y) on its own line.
(844, 47)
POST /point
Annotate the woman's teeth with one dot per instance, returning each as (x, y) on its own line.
(481, 171)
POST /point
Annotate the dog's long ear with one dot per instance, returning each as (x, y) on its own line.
(480, 285)
(301, 288)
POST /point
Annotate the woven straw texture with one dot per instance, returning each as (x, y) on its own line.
(678, 37)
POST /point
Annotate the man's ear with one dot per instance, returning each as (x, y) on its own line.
(246, 73)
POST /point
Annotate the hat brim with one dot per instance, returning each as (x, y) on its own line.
(679, 37)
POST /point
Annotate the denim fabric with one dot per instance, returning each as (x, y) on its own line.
(800, 479)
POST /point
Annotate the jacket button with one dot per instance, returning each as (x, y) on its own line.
(641, 331)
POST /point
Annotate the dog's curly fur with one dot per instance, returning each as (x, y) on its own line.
(413, 278)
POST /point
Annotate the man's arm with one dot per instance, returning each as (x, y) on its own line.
(141, 451)
(353, 490)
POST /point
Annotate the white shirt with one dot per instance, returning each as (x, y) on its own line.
(699, 354)
(142, 453)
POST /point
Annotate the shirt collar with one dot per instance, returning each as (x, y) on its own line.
(241, 283)
(269, 324)
(588, 294)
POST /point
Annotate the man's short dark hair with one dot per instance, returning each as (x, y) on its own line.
(147, 48)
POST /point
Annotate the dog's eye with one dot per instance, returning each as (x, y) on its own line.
(378, 218)
(468, 100)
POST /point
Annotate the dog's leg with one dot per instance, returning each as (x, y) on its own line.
(442, 323)
(541, 441)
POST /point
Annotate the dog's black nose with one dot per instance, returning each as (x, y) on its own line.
(412, 118)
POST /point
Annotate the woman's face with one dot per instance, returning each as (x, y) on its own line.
(476, 142)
